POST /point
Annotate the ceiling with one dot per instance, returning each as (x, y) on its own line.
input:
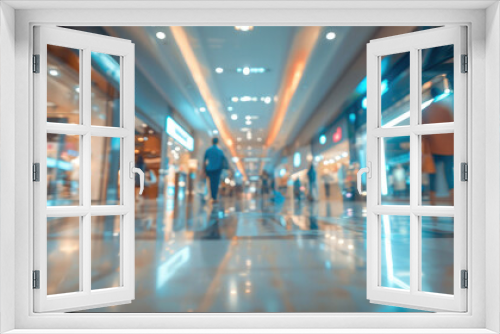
(182, 68)
(272, 50)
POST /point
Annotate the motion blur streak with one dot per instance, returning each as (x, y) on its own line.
(199, 76)
(301, 50)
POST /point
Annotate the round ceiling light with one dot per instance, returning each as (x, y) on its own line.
(331, 35)
(54, 72)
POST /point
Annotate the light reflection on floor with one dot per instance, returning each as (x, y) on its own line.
(253, 255)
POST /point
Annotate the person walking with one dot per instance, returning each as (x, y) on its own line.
(440, 146)
(214, 162)
(313, 185)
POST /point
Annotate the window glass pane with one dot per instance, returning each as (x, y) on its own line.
(105, 252)
(63, 255)
(63, 85)
(395, 170)
(438, 169)
(105, 170)
(395, 252)
(437, 85)
(105, 93)
(395, 90)
(437, 254)
(63, 169)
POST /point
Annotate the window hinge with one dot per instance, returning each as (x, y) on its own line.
(36, 172)
(465, 63)
(36, 63)
(465, 279)
(464, 170)
(36, 279)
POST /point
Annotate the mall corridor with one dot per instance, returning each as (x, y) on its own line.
(287, 108)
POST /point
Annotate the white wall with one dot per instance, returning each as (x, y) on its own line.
(7, 57)
(492, 162)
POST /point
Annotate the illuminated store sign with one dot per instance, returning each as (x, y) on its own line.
(337, 136)
(175, 131)
(297, 159)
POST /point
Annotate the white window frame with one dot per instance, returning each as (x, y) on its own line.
(483, 101)
(86, 297)
(412, 44)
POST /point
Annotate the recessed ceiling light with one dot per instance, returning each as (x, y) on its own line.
(215, 132)
(248, 122)
(243, 28)
(239, 138)
(331, 35)
(144, 125)
(203, 109)
(54, 73)
(234, 99)
(234, 117)
(160, 35)
(219, 70)
(251, 70)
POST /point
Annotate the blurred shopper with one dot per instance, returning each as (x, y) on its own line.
(440, 146)
(264, 183)
(327, 181)
(313, 184)
(296, 188)
(399, 181)
(214, 162)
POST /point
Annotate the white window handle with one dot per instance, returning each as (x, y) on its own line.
(139, 171)
(361, 171)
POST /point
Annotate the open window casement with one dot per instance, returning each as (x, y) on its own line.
(73, 146)
(404, 143)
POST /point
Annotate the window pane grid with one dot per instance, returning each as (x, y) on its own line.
(415, 210)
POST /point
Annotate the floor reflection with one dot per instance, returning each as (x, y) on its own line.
(249, 254)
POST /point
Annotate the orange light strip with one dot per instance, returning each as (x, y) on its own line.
(301, 51)
(182, 40)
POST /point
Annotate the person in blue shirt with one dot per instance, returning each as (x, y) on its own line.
(313, 186)
(214, 162)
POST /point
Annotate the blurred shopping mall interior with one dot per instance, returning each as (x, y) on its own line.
(288, 230)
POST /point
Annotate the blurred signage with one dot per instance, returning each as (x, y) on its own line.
(176, 131)
(297, 159)
(337, 136)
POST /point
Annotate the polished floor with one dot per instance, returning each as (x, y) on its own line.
(253, 254)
